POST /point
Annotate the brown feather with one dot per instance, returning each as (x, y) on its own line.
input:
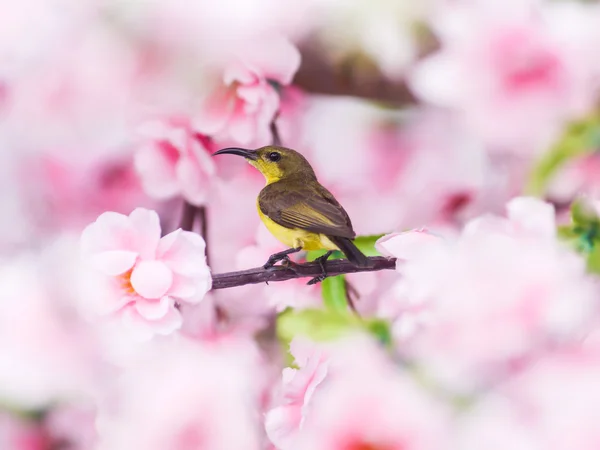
(307, 206)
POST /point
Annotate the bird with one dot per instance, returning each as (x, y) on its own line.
(299, 211)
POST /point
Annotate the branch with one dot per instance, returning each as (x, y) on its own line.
(192, 214)
(307, 270)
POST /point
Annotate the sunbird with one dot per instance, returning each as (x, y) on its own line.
(297, 209)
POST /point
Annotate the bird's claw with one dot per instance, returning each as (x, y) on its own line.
(316, 280)
(285, 260)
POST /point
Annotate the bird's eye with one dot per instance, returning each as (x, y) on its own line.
(274, 156)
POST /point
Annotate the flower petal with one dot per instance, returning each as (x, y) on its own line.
(146, 225)
(151, 279)
(110, 231)
(156, 170)
(183, 252)
(114, 262)
(153, 309)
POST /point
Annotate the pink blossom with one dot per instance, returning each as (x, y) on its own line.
(369, 403)
(174, 160)
(180, 395)
(19, 434)
(47, 351)
(516, 70)
(73, 424)
(504, 287)
(551, 405)
(244, 102)
(284, 421)
(149, 274)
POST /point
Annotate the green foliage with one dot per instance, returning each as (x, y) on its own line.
(334, 293)
(580, 138)
(327, 325)
(583, 233)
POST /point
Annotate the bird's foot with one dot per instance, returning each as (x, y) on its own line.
(316, 280)
(281, 256)
(321, 261)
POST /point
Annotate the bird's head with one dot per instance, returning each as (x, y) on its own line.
(275, 163)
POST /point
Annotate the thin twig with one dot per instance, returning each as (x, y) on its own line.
(307, 270)
(192, 214)
(202, 215)
(188, 216)
(351, 295)
(276, 140)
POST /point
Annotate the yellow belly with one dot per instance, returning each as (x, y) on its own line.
(294, 238)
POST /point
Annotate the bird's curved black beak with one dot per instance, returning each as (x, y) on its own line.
(248, 154)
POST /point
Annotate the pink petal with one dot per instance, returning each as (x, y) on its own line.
(153, 309)
(183, 287)
(156, 171)
(276, 58)
(215, 113)
(194, 183)
(171, 322)
(437, 80)
(242, 128)
(240, 73)
(407, 245)
(110, 231)
(532, 215)
(183, 252)
(282, 423)
(151, 279)
(146, 225)
(114, 262)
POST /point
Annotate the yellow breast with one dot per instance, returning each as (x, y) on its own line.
(294, 238)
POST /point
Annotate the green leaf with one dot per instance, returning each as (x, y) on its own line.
(381, 330)
(327, 325)
(580, 138)
(583, 214)
(317, 324)
(366, 244)
(334, 293)
(593, 260)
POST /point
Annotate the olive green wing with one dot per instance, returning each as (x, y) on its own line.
(310, 209)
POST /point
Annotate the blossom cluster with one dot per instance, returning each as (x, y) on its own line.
(461, 136)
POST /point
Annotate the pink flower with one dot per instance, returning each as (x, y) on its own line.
(149, 273)
(552, 405)
(19, 434)
(515, 70)
(244, 102)
(284, 422)
(504, 287)
(175, 160)
(369, 403)
(180, 395)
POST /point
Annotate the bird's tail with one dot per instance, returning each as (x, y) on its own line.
(350, 250)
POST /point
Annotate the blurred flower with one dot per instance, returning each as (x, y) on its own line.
(181, 395)
(19, 434)
(506, 286)
(72, 425)
(370, 404)
(149, 274)
(284, 421)
(385, 31)
(515, 70)
(245, 101)
(551, 405)
(47, 352)
(174, 160)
